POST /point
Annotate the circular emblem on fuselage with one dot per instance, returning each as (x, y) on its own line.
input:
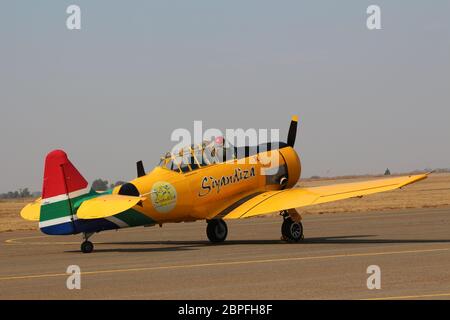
(164, 196)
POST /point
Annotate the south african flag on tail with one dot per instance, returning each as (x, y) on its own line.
(63, 186)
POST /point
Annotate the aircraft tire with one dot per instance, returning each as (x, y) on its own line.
(87, 247)
(291, 231)
(217, 230)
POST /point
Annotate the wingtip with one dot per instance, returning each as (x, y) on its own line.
(420, 177)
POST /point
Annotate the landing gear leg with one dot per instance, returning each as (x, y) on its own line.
(291, 230)
(87, 246)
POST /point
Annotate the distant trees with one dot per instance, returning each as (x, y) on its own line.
(21, 193)
(100, 185)
(24, 193)
(103, 185)
(97, 185)
(387, 172)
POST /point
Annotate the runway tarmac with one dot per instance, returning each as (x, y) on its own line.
(411, 247)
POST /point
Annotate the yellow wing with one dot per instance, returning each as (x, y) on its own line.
(273, 201)
(106, 206)
(32, 211)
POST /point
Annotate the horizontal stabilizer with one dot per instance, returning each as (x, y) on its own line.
(32, 211)
(106, 206)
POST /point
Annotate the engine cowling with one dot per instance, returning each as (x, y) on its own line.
(293, 164)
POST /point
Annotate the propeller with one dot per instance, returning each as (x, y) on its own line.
(140, 169)
(292, 131)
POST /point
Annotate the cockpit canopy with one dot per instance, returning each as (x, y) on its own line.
(197, 156)
(211, 152)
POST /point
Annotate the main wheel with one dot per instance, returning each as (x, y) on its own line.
(217, 230)
(292, 231)
(87, 247)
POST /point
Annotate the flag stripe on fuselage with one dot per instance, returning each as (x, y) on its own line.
(58, 215)
(62, 197)
(230, 208)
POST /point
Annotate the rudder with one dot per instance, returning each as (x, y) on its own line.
(62, 184)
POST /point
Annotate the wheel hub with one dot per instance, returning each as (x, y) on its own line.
(296, 230)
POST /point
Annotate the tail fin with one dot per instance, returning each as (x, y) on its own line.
(62, 185)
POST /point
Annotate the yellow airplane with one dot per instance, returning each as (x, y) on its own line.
(213, 181)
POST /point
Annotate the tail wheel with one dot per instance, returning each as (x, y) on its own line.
(217, 230)
(87, 247)
(291, 230)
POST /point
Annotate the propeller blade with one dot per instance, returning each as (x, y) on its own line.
(292, 131)
(140, 169)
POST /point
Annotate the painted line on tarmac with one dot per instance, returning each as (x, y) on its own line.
(435, 295)
(230, 263)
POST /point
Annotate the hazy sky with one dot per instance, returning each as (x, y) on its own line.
(111, 93)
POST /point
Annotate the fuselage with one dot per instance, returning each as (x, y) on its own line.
(181, 193)
(211, 190)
